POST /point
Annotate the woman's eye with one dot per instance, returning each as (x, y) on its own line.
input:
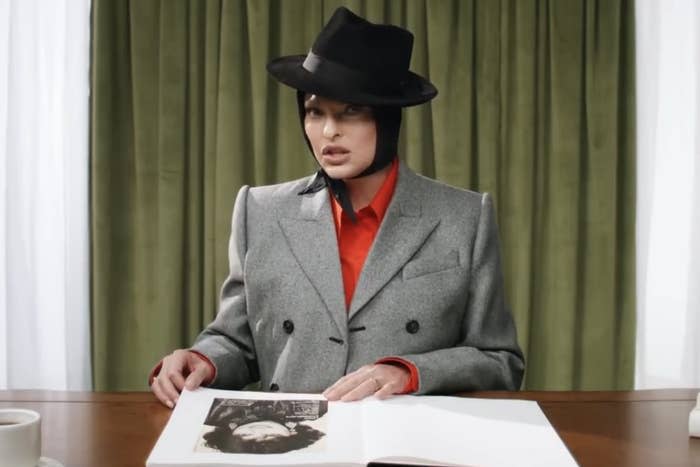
(312, 112)
(357, 111)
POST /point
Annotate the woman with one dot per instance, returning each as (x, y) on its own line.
(365, 279)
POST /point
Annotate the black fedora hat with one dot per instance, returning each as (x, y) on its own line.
(353, 60)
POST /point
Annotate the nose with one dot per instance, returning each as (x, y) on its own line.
(330, 128)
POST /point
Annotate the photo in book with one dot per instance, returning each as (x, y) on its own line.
(245, 426)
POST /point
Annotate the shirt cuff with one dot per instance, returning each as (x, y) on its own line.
(156, 369)
(412, 383)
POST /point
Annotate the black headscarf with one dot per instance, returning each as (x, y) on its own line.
(388, 123)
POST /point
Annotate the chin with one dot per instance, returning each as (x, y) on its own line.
(339, 172)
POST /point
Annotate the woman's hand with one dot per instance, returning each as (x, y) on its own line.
(180, 369)
(380, 380)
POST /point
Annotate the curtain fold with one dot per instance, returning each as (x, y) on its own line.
(536, 105)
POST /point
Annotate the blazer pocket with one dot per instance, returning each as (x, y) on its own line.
(423, 266)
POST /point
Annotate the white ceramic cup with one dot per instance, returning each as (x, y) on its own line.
(20, 438)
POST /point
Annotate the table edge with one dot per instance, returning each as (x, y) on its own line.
(669, 394)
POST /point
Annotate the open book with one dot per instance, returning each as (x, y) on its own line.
(215, 428)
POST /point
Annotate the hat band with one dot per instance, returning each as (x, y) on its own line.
(323, 67)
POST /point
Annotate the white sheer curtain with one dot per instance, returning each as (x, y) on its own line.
(44, 295)
(668, 193)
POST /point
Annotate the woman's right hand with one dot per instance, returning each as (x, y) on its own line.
(181, 369)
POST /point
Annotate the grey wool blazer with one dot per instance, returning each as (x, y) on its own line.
(430, 292)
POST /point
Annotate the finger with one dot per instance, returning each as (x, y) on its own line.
(364, 389)
(160, 395)
(334, 392)
(394, 378)
(173, 369)
(166, 385)
(334, 388)
(176, 378)
(334, 385)
(346, 384)
(195, 378)
(343, 380)
(388, 390)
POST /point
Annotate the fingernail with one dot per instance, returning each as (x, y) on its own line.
(169, 404)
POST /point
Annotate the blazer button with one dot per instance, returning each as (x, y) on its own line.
(274, 387)
(412, 326)
(288, 326)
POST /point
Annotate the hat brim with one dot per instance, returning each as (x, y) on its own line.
(289, 70)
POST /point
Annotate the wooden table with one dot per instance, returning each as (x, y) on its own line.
(636, 428)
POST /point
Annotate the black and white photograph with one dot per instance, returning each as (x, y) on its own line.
(248, 426)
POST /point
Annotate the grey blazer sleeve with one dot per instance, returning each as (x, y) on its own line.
(228, 341)
(487, 356)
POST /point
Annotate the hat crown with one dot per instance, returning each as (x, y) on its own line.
(353, 60)
(356, 43)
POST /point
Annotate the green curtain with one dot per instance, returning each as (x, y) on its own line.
(536, 106)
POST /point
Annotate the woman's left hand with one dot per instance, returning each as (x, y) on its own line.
(380, 380)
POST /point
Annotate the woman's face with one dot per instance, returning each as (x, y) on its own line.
(261, 431)
(343, 136)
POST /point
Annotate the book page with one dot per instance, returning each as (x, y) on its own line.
(461, 431)
(210, 427)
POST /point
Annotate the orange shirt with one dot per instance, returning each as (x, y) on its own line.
(355, 240)
(354, 243)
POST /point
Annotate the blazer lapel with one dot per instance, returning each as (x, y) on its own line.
(402, 232)
(312, 238)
